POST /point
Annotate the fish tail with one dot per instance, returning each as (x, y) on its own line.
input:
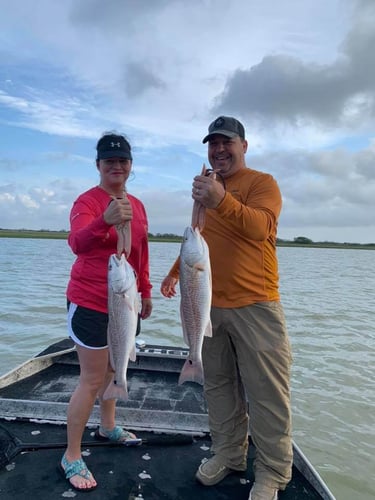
(115, 391)
(192, 371)
(208, 329)
(133, 355)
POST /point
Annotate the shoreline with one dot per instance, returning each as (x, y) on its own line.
(63, 235)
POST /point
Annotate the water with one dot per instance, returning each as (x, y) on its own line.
(328, 300)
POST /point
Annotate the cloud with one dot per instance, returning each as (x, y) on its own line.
(140, 79)
(288, 89)
(299, 74)
(47, 112)
(324, 189)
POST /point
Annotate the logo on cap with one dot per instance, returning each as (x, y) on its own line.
(113, 145)
(219, 122)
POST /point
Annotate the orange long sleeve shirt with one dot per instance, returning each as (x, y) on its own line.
(241, 236)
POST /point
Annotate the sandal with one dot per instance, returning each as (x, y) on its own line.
(75, 468)
(117, 435)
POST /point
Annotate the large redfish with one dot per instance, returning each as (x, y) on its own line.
(195, 306)
(123, 308)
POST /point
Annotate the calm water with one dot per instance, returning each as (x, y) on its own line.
(328, 297)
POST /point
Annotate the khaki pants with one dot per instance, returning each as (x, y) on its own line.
(250, 352)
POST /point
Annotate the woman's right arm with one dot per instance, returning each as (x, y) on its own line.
(90, 225)
(87, 227)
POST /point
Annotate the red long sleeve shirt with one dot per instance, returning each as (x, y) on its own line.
(93, 241)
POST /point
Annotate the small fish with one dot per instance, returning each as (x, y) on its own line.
(123, 308)
(195, 306)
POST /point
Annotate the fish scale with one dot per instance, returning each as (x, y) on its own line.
(123, 308)
(195, 305)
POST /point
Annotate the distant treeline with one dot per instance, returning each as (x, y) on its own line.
(63, 235)
(301, 241)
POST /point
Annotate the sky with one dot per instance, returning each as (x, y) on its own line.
(300, 76)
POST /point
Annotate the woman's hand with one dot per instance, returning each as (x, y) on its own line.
(146, 308)
(118, 211)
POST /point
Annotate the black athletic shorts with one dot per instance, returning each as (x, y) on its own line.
(88, 327)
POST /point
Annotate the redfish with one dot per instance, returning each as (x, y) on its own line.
(123, 308)
(195, 305)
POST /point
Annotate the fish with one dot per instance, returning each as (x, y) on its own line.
(123, 309)
(195, 304)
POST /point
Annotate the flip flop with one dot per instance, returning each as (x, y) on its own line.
(117, 435)
(75, 468)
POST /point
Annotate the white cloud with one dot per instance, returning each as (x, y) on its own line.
(299, 74)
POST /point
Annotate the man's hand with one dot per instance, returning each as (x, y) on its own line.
(168, 287)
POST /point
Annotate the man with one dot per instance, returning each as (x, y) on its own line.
(248, 358)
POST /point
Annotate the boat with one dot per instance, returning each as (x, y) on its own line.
(170, 419)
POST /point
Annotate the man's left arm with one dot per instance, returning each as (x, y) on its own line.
(257, 217)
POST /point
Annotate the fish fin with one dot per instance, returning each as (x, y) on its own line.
(124, 239)
(115, 391)
(130, 304)
(208, 330)
(198, 217)
(195, 214)
(199, 266)
(201, 217)
(111, 361)
(185, 333)
(192, 371)
(127, 238)
(132, 355)
(184, 329)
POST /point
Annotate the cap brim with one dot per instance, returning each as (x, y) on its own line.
(220, 131)
(103, 155)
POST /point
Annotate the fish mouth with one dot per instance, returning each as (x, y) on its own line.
(115, 259)
(188, 230)
(195, 243)
(192, 232)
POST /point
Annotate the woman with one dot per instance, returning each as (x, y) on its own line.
(93, 238)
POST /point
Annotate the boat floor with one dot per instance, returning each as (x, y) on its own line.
(33, 405)
(156, 471)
